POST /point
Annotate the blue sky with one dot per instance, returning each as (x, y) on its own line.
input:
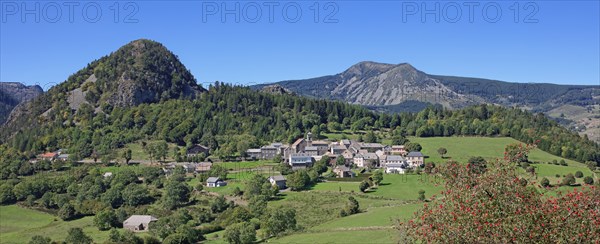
(545, 41)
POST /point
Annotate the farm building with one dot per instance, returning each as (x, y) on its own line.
(278, 180)
(138, 223)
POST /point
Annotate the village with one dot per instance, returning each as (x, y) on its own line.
(346, 158)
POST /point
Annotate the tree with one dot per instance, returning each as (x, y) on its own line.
(340, 160)
(257, 205)
(442, 151)
(588, 180)
(6, 194)
(370, 137)
(254, 186)
(421, 195)
(76, 236)
(377, 177)
(135, 195)
(218, 171)
(399, 140)
(161, 149)
(413, 146)
(240, 233)
(298, 180)
(67, 212)
(219, 204)
(578, 174)
(127, 155)
(176, 194)
(363, 186)
(106, 220)
(351, 207)
(38, 239)
(278, 220)
(545, 182)
(321, 165)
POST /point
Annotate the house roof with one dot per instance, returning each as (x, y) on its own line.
(342, 168)
(213, 179)
(320, 143)
(297, 142)
(312, 148)
(203, 166)
(339, 147)
(398, 147)
(139, 219)
(395, 165)
(63, 156)
(345, 141)
(49, 155)
(253, 150)
(414, 154)
(394, 158)
(277, 178)
(370, 156)
(371, 145)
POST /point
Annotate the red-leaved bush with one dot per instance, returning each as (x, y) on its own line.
(494, 207)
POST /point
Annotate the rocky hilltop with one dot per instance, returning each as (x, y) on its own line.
(142, 71)
(14, 93)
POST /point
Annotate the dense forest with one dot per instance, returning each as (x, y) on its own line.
(230, 119)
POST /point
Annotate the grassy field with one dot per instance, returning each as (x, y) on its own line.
(347, 236)
(245, 164)
(462, 148)
(18, 225)
(138, 153)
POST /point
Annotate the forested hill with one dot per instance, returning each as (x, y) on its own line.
(142, 71)
(230, 119)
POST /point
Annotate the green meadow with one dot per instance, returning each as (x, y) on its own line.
(19, 224)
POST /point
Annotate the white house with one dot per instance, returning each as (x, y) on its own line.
(215, 182)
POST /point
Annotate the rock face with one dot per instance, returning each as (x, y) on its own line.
(14, 93)
(276, 89)
(142, 71)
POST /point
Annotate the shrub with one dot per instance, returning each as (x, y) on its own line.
(421, 195)
(578, 174)
(563, 163)
(588, 180)
(468, 214)
(557, 176)
(545, 182)
(568, 180)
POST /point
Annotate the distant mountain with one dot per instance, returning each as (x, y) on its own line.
(142, 71)
(402, 87)
(14, 93)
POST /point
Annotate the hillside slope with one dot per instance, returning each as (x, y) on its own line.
(142, 71)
